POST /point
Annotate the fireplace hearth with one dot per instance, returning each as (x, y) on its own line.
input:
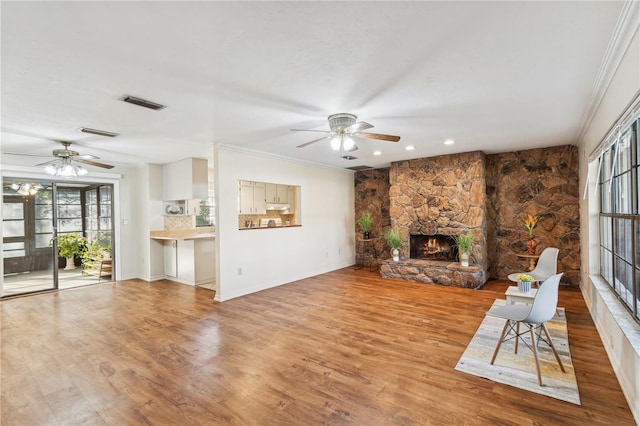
(432, 247)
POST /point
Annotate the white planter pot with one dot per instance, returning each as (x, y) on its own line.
(464, 259)
(395, 253)
(70, 264)
(524, 286)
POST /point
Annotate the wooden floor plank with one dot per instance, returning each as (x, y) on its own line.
(347, 347)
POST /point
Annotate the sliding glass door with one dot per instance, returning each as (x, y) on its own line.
(27, 230)
(33, 212)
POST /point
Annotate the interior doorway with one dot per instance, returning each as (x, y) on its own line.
(37, 216)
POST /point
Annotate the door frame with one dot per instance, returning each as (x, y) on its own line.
(31, 173)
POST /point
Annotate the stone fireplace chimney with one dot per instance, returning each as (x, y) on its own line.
(442, 196)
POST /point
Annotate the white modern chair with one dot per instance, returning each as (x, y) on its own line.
(533, 317)
(547, 266)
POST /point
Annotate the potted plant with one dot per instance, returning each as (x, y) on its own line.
(395, 240)
(464, 242)
(524, 282)
(70, 245)
(364, 223)
(94, 251)
(530, 223)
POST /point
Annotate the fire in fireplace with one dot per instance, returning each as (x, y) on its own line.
(432, 247)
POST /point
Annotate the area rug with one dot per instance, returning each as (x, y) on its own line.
(519, 370)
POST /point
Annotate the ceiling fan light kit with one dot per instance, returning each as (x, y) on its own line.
(26, 188)
(65, 168)
(344, 128)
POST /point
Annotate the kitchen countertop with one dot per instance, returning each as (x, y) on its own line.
(184, 234)
(269, 227)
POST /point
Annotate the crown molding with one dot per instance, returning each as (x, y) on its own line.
(625, 30)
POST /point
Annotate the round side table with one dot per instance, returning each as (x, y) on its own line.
(365, 249)
(533, 259)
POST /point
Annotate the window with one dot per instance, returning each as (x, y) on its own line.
(69, 211)
(97, 214)
(619, 182)
(43, 215)
(207, 211)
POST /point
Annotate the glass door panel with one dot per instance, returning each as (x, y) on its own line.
(27, 225)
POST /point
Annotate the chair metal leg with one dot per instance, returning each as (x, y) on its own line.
(553, 348)
(534, 348)
(504, 332)
(515, 345)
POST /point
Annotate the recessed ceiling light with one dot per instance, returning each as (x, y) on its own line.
(410, 148)
(449, 142)
(377, 153)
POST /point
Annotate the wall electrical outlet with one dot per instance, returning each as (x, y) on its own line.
(239, 271)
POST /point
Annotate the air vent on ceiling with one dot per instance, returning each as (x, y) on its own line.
(98, 132)
(358, 168)
(143, 103)
(349, 157)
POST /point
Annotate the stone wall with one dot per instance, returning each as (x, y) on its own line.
(449, 194)
(440, 195)
(372, 195)
(543, 182)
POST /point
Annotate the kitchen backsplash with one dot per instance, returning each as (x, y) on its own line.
(179, 221)
(256, 218)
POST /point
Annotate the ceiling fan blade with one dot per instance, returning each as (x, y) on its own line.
(313, 141)
(309, 130)
(359, 126)
(378, 136)
(95, 163)
(26, 155)
(85, 157)
(46, 162)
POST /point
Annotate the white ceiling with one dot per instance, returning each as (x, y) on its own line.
(493, 76)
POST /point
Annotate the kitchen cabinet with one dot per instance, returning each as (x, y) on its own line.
(190, 259)
(252, 197)
(170, 251)
(192, 207)
(185, 179)
(277, 193)
(291, 198)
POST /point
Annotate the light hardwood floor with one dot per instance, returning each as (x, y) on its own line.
(345, 347)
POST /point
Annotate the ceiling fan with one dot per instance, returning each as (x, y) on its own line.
(66, 161)
(67, 154)
(343, 129)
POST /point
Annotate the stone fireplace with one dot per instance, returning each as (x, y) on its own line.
(432, 247)
(432, 199)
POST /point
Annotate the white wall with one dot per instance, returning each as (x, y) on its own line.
(253, 260)
(143, 256)
(620, 334)
(128, 204)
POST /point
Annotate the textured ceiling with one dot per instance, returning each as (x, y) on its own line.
(493, 76)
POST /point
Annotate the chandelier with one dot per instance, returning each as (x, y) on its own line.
(26, 188)
(65, 167)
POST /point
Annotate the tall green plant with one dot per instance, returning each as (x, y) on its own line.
(70, 244)
(394, 238)
(365, 221)
(464, 242)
